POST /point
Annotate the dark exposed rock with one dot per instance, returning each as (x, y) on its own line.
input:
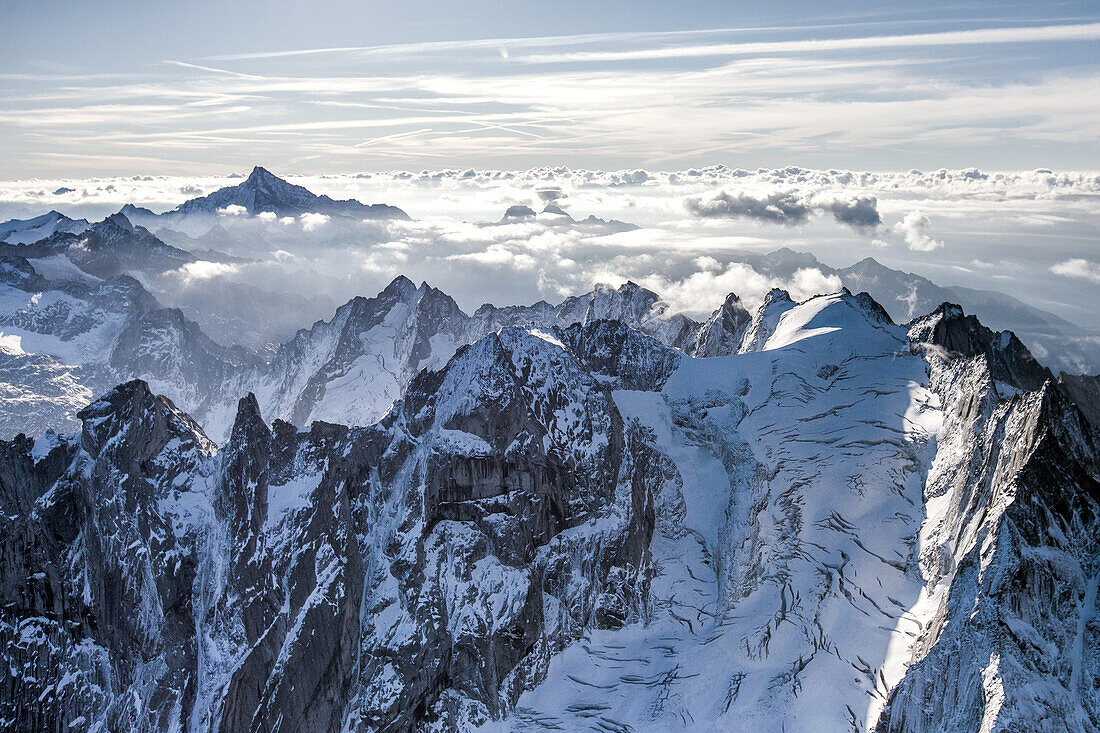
(1084, 390)
(722, 333)
(612, 349)
(1009, 360)
(516, 447)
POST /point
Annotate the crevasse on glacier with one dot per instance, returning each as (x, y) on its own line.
(846, 525)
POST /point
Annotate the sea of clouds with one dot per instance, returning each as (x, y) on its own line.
(1032, 234)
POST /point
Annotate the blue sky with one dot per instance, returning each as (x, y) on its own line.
(209, 88)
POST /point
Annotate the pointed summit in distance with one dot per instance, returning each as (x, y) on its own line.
(263, 191)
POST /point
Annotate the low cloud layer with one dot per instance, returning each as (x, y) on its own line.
(550, 195)
(686, 293)
(437, 192)
(860, 213)
(1030, 230)
(780, 207)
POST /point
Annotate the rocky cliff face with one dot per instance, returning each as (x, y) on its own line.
(1007, 359)
(1084, 390)
(418, 572)
(723, 332)
(98, 625)
(1010, 557)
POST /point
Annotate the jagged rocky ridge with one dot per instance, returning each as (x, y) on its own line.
(105, 249)
(849, 525)
(352, 368)
(65, 340)
(73, 337)
(374, 577)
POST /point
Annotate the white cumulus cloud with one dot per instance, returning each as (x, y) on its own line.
(204, 270)
(1078, 268)
(914, 228)
(312, 221)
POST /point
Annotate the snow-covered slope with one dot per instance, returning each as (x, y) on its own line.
(852, 525)
(25, 231)
(64, 341)
(845, 529)
(1057, 343)
(785, 536)
(107, 248)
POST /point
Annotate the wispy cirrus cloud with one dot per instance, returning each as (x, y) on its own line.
(1035, 34)
(645, 99)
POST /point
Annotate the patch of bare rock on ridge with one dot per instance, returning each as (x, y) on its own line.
(563, 517)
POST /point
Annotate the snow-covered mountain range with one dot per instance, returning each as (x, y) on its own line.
(849, 525)
(26, 231)
(597, 514)
(241, 220)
